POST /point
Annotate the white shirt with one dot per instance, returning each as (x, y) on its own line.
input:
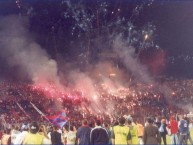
(14, 135)
(20, 137)
(71, 137)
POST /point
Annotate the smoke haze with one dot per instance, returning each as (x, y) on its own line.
(18, 49)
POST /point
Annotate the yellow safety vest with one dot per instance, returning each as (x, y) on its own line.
(134, 134)
(33, 139)
(121, 134)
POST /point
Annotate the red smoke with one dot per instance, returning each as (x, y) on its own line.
(155, 60)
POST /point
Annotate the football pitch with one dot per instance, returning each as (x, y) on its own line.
(169, 141)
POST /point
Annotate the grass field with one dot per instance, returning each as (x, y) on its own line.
(168, 137)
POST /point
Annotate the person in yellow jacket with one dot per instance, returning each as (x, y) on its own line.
(33, 137)
(121, 133)
(133, 132)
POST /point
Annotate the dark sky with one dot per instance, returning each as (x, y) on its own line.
(173, 20)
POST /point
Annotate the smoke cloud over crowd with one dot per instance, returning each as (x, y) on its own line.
(18, 49)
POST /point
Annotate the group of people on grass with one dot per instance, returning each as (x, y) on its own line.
(125, 130)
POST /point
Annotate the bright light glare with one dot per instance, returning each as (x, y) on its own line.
(146, 36)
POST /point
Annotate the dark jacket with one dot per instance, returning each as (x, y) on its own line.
(158, 124)
(83, 134)
(183, 127)
(99, 136)
(56, 138)
(151, 135)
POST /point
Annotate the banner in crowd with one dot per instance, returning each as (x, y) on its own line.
(59, 120)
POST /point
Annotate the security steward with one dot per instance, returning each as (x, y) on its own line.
(121, 133)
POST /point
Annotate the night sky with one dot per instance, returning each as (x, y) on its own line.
(173, 21)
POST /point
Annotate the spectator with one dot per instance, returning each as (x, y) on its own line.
(158, 122)
(6, 138)
(174, 130)
(33, 137)
(83, 133)
(64, 134)
(133, 132)
(43, 131)
(99, 135)
(188, 135)
(14, 133)
(151, 134)
(20, 137)
(183, 128)
(71, 136)
(107, 127)
(50, 130)
(140, 130)
(163, 131)
(56, 137)
(121, 133)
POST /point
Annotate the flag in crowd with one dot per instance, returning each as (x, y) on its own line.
(60, 119)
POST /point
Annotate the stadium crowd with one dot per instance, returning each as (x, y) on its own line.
(17, 112)
(124, 130)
